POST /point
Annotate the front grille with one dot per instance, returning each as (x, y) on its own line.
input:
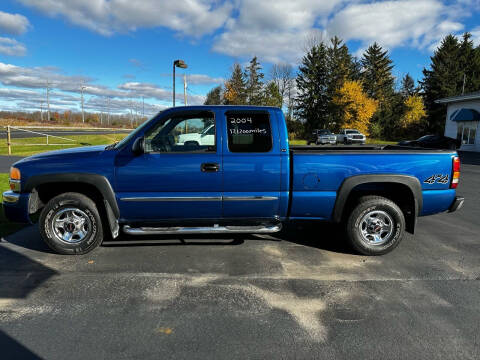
(359, 137)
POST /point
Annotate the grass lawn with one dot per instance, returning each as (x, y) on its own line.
(81, 140)
(6, 227)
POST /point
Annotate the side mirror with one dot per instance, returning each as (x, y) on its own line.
(138, 147)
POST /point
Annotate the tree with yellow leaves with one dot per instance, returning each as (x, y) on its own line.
(414, 111)
(357, 108)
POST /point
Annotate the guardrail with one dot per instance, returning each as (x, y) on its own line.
(9, 129)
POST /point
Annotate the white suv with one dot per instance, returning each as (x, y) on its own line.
(351, 136)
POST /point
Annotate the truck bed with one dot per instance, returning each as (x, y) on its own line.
(296, 149)
(317, 173)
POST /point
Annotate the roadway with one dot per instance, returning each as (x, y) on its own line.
(301, 294)
(18, 134)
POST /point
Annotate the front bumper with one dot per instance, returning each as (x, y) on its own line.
(456, 204)
(356, 141)
(326, 141)
(16, 206)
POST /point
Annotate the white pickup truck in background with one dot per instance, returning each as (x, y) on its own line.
(351, 136)
(206, 137)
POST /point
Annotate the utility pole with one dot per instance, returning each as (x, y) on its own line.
(108, 111)
(48, 101)
(83, 113)
(185, 89)
(143, 108)
(41, 110)
(463, 88)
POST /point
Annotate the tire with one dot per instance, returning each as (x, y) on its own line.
(345, 141)
(386, 226)
(79, 227)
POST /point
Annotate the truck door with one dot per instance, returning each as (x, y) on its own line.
(251, 165)
(179, 176)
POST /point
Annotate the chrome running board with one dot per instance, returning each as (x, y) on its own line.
(261, 229)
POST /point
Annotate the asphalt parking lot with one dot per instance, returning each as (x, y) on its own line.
(301, 294)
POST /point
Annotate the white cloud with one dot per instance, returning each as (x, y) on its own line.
(188, 17)
(417, 23)
(476, 36)
(202, 79)
(273, 30)
(13, 24)
(138, 89)
(26, 86)
(12, 47)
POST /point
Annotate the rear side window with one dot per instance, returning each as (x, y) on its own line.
(249, 132)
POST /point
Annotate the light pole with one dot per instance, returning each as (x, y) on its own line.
(82, 88)
(180, 64)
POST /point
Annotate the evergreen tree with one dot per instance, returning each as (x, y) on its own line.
(378, 80)
(340, 69)
(254, 82)
(235, 88)
(441, 80)
(312, 89)
(469, 65)
(214, 96)
(408, 86)
(378, 83)
(272, 96)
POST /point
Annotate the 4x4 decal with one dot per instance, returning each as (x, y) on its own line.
(439, 178)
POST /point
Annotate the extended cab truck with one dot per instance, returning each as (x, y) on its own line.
(247, 181)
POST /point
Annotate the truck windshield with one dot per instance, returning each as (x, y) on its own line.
(352, 132)
(134, 133)
(324, 132)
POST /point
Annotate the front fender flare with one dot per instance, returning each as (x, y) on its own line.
(99, 181)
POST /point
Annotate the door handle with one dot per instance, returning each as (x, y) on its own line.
(210, 167)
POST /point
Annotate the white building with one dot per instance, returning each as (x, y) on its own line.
(463, 119)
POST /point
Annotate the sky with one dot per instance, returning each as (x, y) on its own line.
(121, 51)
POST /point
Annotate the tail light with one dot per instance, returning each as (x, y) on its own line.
(455, 172)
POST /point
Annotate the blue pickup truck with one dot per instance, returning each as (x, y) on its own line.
(227, 169)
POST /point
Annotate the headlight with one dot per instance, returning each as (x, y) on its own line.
(15, 179)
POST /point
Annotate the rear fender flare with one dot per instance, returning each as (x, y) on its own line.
(350, 183)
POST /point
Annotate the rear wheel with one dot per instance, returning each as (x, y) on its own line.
(71, 224)
(375, 226)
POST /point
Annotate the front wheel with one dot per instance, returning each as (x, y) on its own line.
(375, 226)
(70, 224)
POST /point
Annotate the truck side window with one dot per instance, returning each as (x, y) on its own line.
(249, 132)
(182, 134)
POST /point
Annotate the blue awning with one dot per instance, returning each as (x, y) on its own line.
(465, 115)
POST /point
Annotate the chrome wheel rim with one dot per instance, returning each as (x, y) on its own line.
(71, 225)
(376, 227)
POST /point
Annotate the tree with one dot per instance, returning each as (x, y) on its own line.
(441, 79)
(378, 80)
(357, 107)
(312, 84)
(340, 69)
(254, 82)
(408, 86)
(272, 96)
(214, 96)
(414, 112)
(235, 87)
(469, 65)
(282, 75)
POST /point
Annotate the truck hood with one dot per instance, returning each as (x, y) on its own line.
(79, 151)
